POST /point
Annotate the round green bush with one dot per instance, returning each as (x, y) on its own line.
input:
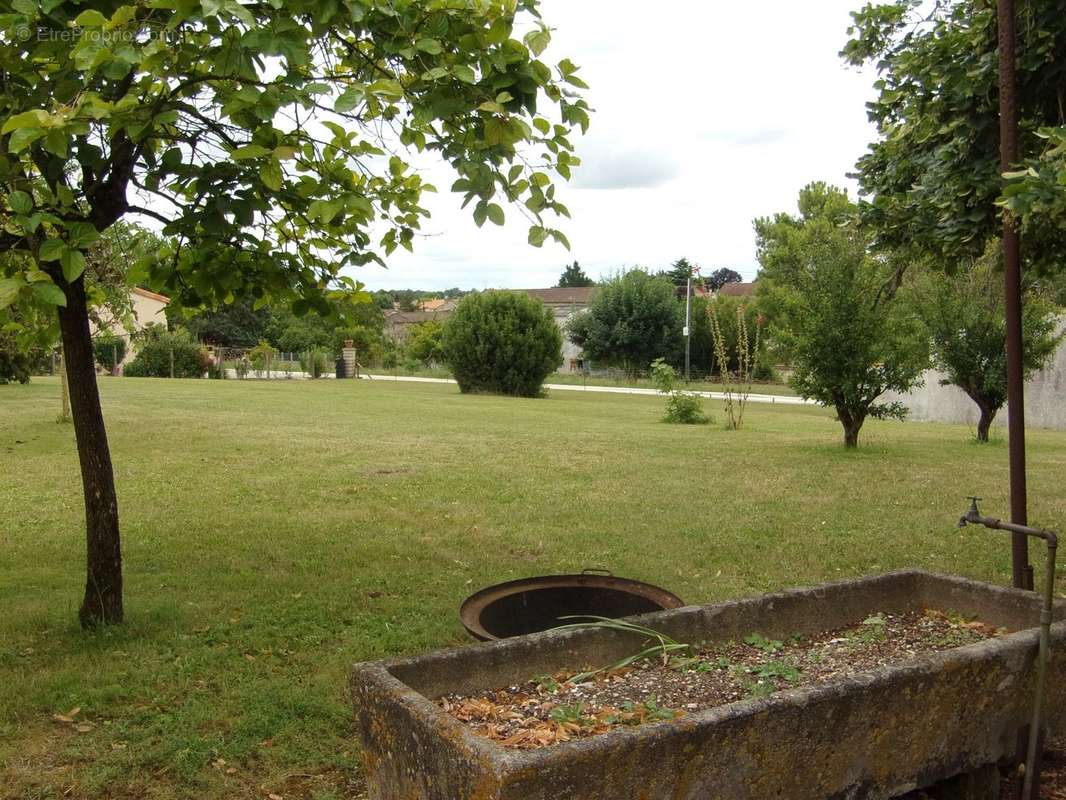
(502, 343)
(153, 358)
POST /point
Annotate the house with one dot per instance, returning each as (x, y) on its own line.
(737, 289)
(147, 308)
(398, 323)
(564, 303)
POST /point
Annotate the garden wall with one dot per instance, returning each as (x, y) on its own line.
(1045, 398)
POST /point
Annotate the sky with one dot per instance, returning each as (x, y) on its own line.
(707, 114)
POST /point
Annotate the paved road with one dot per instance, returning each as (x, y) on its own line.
(773, 399)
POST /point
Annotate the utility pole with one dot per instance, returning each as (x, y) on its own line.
(688, 323)
(1022, 572)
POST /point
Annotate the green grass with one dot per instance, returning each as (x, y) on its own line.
(276, 532)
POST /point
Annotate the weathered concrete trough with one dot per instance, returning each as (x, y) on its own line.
(877, 735)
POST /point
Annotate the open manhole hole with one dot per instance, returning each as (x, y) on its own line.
(536, 604)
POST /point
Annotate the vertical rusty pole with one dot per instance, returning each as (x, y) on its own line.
(1012, 276)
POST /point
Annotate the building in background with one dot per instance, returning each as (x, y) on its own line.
(564, 304)
(147, 308)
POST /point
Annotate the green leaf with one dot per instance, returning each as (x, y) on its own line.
(55, 141)
(537, 40)
(81, 234)
(386, 88)
(271, 175)
(349, 99)
(50, 293)
(431, 46)
(495, 213)
(51, 249)
(464, 73)
(73, 263)
(23, 138)
(20, 202)
(9, 290)
(90, 18)
(249, 151)
(537, 235)
(27, 119)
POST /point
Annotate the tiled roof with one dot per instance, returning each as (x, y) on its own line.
(145, 293)
(577, 295)
(738, 289)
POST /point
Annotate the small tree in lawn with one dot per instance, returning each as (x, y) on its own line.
(502, 343)
(682, 408)
(965, 316)
(633, 319)
(736, 384)
(268, 141)
(849, 335)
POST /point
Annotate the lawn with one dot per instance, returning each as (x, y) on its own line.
(276, 532)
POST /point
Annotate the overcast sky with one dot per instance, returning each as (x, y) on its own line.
(707, 114)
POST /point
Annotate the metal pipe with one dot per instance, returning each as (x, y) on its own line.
(973, 516)
(1022, 572)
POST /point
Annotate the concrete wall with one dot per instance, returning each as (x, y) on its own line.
(1045, 398)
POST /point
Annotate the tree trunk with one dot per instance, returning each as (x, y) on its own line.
(985, 422)
(103, 583)
(852, 424)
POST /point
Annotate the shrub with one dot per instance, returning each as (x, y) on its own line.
(153, 357)
(682, 408)
(14, 363)
(109, 350)
(314, 363)
(502, 342)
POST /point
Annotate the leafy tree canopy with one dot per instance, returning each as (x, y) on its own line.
(252, 133)
(680, 271)
(721, 276)
(965, 317)
(933, 177)
(849, 339)
(573, 276)
(271, 143)
(633, 319)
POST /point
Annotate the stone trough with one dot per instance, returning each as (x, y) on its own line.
(877, 735)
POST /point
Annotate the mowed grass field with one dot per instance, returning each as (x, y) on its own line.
(276, 532)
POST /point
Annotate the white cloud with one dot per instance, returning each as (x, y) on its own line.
(707, 115)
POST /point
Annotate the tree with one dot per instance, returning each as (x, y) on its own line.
(933, 175)
(850, 340)
(964, 314)
(503, 343)
(680, 271)
(267, 141)
(720, 277)
(425, 342)
(573, 277)
(633, 319)
(235, 325)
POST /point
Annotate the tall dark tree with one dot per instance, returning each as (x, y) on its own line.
(236, 325)
(680, 271)
(574, 277)
(268, 141)
(721, 276)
